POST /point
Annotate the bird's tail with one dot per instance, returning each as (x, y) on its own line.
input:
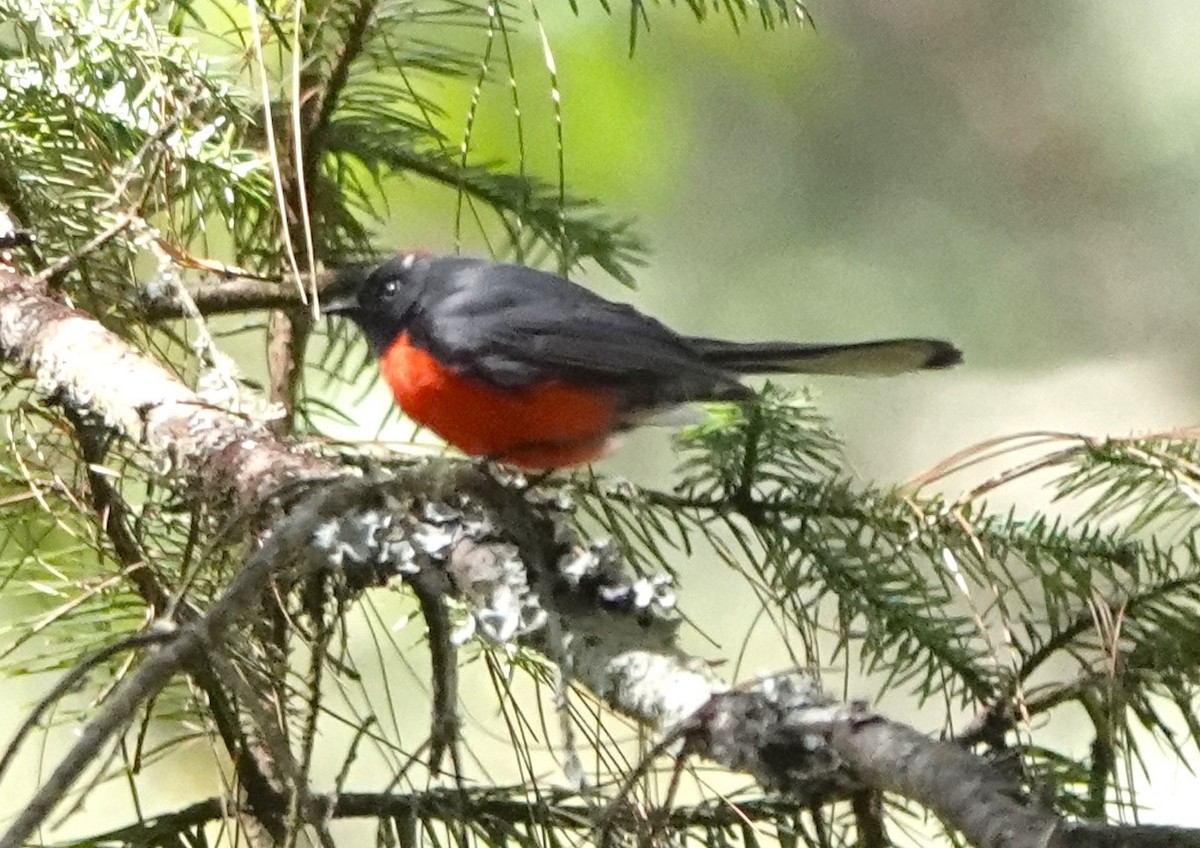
(879, 358)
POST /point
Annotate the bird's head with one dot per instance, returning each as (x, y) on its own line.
(378, 298)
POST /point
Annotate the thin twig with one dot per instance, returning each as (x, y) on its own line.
(112, 512)
(65, 263)
(71, 679)
(272, 151)
(300, 142)
(227, 295)
(431, 588)
(353, 41)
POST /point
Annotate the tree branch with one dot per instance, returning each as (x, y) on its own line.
(353, 41)
(74, 360)
(224, 295)
(288, 332)
(558, 811)
(967, 793)
(784, 732)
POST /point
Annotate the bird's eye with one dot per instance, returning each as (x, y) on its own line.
(389, 288)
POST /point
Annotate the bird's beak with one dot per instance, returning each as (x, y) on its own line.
(339, 304)
(340, 297)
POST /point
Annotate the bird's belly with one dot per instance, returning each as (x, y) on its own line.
(550, 425)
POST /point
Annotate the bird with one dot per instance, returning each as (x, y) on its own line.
(525, 368)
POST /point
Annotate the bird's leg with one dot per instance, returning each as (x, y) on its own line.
(504, 475)
(529, 464)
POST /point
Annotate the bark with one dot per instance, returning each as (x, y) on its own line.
(225, 296)
(74, 360)
(788, 735)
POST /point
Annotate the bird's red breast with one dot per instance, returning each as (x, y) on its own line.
(543, 426)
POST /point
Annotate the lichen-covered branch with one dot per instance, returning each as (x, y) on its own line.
(75, 360)
(790, 737)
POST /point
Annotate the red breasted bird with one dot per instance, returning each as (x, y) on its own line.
(527, 368)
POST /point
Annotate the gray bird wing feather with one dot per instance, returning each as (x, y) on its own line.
(547, 331)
